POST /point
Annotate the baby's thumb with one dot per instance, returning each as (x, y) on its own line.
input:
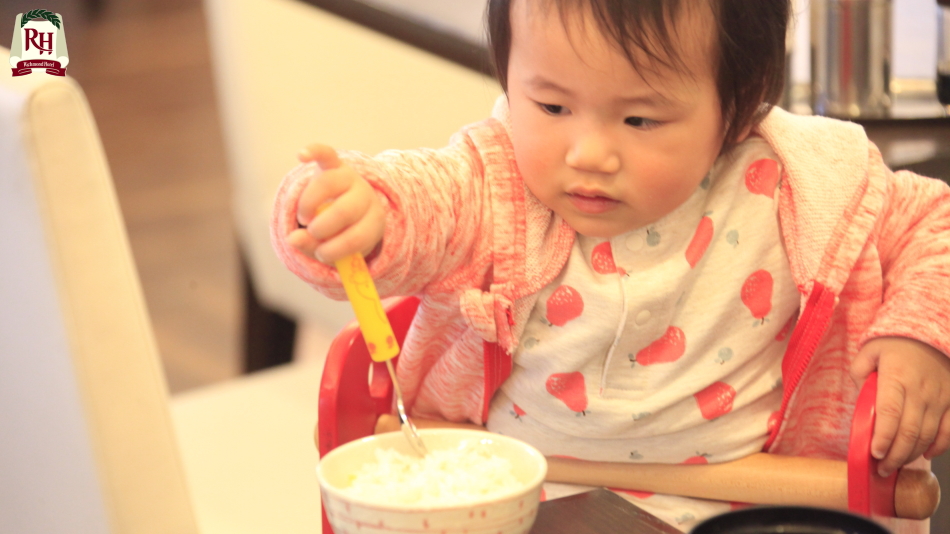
(303, 242)
(863, 365)
(325, 156)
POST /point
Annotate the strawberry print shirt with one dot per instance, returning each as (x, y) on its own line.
(663, 345)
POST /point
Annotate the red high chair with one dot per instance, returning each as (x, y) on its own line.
(355, 392)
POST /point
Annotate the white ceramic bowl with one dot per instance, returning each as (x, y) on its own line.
(512, 512)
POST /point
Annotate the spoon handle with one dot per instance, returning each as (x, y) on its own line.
(369, 311)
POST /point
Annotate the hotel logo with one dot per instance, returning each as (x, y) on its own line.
(39, 42)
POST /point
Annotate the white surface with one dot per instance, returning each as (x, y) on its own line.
(248, 451)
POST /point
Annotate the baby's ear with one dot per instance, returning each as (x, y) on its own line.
(744, 134)
(760, 114)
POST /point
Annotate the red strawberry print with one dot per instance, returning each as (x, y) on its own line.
(564, 305)
(699, 459)
(633, 493)
(757, 293)
(700, 242)
(570, 389)
(738, 505)
(602, 259)
(517, 411)
(715, 400)
(762, 176)
(668, 348)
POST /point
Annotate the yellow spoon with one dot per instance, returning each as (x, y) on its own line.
(377, 332)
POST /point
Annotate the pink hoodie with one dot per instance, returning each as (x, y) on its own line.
(869, 251)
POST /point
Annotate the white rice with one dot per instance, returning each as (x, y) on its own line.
(442, 477)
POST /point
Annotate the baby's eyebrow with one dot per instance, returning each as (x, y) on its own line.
(541, 83)
(653, 99)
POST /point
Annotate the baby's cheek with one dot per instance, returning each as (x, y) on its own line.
(542, 184)
(668, 188)
(536, 172)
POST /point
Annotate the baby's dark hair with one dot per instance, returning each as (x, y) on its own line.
(750, 43)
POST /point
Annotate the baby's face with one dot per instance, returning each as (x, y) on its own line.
(607, 149)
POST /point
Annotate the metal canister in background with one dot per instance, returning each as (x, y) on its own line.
(788, 96)
(943, 52)
(851, 58)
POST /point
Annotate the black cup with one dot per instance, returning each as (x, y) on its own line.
(788, 520)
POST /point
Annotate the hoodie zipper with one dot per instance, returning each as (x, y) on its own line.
(805, 340)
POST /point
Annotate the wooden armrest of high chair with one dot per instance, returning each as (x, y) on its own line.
(762, 478)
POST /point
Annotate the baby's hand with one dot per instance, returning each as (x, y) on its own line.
(353, 220)
(913, 399)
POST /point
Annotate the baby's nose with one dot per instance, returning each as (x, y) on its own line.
(593, 152)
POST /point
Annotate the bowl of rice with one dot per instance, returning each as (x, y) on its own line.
(471, 482)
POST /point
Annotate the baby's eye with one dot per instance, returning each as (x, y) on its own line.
(552, 109)
(640, 122)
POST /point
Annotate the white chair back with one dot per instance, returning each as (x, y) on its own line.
(86, 439)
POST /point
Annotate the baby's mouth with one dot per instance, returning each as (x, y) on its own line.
(592, 203)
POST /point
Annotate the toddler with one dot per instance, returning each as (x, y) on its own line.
(639, 259)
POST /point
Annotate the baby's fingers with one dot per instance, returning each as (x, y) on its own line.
(301, 240)
(942, 441)
(354, 222)
(914, 435)
(929, 427)
(323, 187)
(888, 412)
(323, 155)
(345, 211)
(360, 237)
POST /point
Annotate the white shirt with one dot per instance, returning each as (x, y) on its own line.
(663, 345)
